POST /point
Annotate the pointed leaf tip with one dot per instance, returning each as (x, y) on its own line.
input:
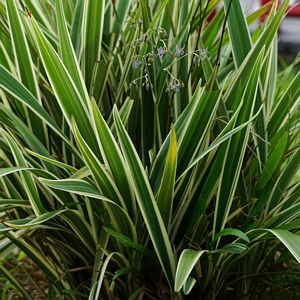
(28, 12)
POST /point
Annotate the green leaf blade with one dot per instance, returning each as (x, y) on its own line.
(147, 204)
(186, 263)
(166, 190)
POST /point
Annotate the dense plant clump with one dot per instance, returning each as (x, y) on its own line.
(148, 150)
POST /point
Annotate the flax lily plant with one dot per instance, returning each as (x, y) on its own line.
(147, 150)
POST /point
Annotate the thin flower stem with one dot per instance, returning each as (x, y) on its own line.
(175, 61)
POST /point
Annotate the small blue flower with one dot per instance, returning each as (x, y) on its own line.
(140, 21)
(179, 51)
(136, 63)
(160, 52)
(174, 87)
(203, 53)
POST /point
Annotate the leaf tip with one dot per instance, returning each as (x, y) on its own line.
(28, 12)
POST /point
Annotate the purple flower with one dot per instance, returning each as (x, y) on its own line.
(174, 87)
(136, 63)
(203, 53)
(160, 52)
(140, 21)
(179, 51)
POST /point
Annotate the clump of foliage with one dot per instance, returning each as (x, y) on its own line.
(147, 152)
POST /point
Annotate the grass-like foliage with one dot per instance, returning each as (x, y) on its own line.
(147, 150)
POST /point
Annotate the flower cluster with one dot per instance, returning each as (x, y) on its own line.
(148, 85)
(158, 39)
(200, 55)
(179, 51)
(174, 87)
(137, 24)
